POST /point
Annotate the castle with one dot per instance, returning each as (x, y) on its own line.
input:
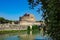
(28, 19)
(24, 21)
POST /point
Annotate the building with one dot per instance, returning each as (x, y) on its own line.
(28, 20)
(27, 17)
(24, 21)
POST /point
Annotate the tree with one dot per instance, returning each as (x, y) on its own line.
(2, 20)
(35, 27)
(51, 14)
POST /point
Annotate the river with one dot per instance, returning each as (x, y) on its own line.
(32, 35)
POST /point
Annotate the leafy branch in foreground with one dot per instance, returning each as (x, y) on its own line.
(51, 14)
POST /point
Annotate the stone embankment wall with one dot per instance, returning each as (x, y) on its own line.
(12, 27)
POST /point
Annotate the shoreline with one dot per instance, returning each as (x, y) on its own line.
(11, 31)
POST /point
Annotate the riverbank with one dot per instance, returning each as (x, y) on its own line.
(17, 31)
(11, 31)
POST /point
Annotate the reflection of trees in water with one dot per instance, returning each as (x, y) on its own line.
(32, 34)
(23, 35)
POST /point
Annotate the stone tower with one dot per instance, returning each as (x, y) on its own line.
(27, 17)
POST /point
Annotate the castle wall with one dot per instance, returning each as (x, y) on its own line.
(12, 27)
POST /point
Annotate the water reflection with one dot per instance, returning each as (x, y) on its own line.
(12, 38)
(26, 35)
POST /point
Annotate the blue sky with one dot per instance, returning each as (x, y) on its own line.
(13, 9)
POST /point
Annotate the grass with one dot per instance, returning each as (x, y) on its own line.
(11, 31)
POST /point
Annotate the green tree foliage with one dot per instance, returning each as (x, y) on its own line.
(3, 20)
(35, 27)
(28, 28)
(51, 14)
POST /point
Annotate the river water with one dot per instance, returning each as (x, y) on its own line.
(32, 35)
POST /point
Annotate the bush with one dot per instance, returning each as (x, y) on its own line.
(34, 27)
